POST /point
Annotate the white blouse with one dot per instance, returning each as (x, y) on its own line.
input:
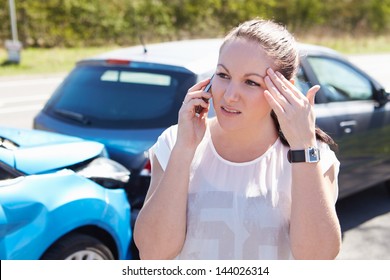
(238, 210)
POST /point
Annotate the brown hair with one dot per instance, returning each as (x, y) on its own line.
(279, 44)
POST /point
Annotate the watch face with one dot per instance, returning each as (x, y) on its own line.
(313, 155)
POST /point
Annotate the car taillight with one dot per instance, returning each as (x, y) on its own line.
(147, 170)
(118, 61)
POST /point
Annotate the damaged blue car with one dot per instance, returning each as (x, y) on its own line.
(61, 198)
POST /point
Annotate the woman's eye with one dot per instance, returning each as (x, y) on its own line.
(252, 83)
(222, 75)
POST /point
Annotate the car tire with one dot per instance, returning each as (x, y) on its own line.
(78, 247)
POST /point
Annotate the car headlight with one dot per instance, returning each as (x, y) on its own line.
(106, 172)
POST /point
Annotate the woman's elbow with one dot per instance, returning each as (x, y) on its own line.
(151, 248)
(152, 252)
(328, 250)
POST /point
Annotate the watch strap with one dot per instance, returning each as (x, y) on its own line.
(310, 154)
(296, 156)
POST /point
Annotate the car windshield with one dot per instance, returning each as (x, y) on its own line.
(102, 96)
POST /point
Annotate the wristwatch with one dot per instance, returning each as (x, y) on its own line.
(310, 154)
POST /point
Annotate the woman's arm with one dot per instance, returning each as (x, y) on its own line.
(161, 224)
(160, 228)
(314, 227)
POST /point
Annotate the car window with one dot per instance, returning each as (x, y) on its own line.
(102, 96)
(136, 78)
(339, 81)
(301, 81)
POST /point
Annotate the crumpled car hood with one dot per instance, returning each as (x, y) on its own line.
(41, 151)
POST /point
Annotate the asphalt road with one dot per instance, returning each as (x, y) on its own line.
(365, 223)
(364, 217)
(22, 97)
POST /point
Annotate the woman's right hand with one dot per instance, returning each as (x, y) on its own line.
(192, 126)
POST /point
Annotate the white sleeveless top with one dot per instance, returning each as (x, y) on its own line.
(237, 210)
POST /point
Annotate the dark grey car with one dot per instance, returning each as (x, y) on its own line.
(354, 109)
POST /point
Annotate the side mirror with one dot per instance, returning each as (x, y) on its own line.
(382, 97)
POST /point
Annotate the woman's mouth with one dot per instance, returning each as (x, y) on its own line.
(230, 110)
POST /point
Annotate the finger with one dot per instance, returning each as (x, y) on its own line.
(196, 90)
(273, 103)
(203, 95)
(274, 91)
(281, 85)
(203, 113)
(290, 85)
(311, 94)
(200, 85)
(195, 105)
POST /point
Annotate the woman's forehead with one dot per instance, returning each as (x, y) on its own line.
(247, 54)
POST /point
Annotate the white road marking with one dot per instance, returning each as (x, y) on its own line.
(19, 109)
(27, 82)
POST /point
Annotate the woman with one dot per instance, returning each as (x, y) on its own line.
(224, 188)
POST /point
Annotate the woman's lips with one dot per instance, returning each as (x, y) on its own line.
(230, 110)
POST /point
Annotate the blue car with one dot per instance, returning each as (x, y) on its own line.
(61, 198)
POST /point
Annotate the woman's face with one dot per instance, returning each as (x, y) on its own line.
(238, 85)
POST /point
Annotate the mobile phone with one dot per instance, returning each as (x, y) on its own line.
(208, 87)
(199, 109)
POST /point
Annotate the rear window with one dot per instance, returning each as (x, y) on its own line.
(101, 96)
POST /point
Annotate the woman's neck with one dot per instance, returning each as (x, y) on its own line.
(245, 144)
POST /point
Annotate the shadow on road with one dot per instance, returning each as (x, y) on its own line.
(363, 206)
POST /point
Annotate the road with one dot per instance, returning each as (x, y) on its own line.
(21, 99)
(364, 217)
(365, 223)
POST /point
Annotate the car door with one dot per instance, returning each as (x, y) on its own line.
(346, 109)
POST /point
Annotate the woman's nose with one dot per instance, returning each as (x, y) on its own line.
(231, 93)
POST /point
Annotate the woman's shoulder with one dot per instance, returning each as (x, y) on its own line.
(169, 135)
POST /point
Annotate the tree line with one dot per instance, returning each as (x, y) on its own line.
(70, 23)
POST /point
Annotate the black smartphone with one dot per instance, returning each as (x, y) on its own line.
(199, 109)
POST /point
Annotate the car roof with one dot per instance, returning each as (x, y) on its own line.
(196, 55)
(310, 49)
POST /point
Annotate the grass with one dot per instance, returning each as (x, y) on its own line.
(43, 61)
(60, 60)
(349, 44)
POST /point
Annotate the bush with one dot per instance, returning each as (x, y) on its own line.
(70, 23)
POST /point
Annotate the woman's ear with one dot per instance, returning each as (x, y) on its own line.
(292, 81)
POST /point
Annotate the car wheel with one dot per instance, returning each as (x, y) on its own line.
(78, 247)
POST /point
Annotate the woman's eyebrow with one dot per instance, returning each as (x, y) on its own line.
(223, 66)
(254, 74)
(246, 75)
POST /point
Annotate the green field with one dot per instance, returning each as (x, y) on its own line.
(39, 61)
(61, 60)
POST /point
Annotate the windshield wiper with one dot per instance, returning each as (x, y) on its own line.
(73, 116)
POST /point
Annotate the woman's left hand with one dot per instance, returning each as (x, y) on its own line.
(294, 110)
